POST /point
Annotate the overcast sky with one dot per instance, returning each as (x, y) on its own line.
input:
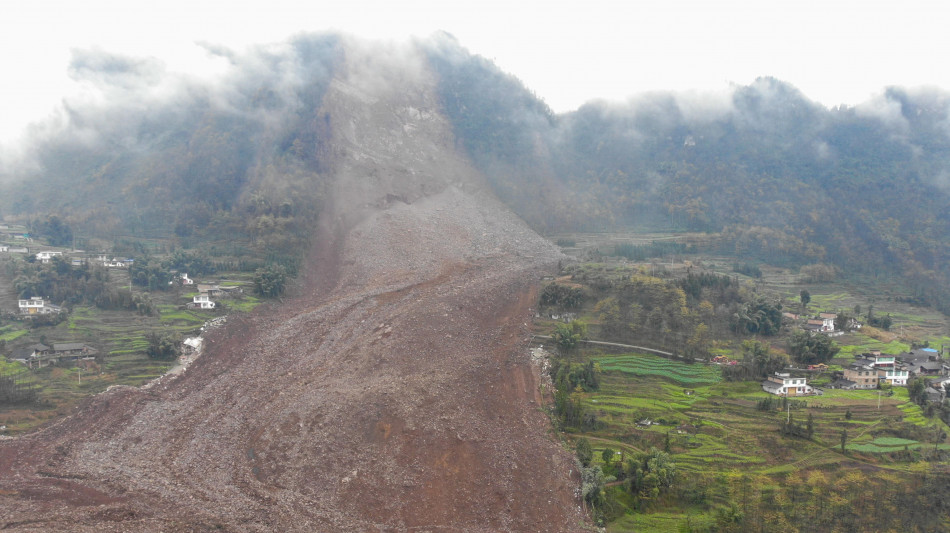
(567, 52)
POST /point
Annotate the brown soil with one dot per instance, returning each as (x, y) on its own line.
(394, 392)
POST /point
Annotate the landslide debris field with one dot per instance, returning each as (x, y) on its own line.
(394, 392)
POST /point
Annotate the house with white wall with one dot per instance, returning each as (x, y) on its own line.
(203, 301)
(783, 384)
(47, 256)
(36, 306)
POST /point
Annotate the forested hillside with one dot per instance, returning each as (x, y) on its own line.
(158, 155)
(781, 178)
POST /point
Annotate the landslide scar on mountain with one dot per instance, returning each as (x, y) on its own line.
(395, 392)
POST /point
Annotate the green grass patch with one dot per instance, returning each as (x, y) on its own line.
(13, 335)
(892, 441)
(661, 522)
(874, 448)
(245, 305)
(913, 414)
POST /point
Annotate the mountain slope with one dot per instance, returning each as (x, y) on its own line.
(394, 393)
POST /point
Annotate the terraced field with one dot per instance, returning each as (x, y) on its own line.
(893, 444)
(714, 428)
(120, 339)
(651, 365)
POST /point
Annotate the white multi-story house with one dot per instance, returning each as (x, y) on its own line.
(782, 384)
(47, 256)
(821, 325)
(36, 306)
(203, 301)
(893, 376)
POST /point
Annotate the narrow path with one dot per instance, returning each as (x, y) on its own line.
(614, 345)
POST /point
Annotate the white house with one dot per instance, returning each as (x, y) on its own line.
(782, 384)
(893, 376)
(821, 325)
(117, 263)
(4, 248)
(185, 280)
(45, 257)
(203, 301)
(36, 306)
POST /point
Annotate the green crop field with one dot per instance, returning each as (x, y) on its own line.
(652, 365)
(744, 464)
(10, 333)
(714, 428)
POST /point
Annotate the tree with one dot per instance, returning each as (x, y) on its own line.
(585, 454)
(843, 321)
(568, 376)
(162, 346)
(764, 361)
(568, 335)
(805, 297)
(887, 322)
(270, 281)
(699, 343)
(611, 318)
(809, 349)
(189, 263)
(592, 484)
(56, 231)
(607, 455)
(758, 316)
(148, 272)
(557, 295)
(651, 474)
(917, 391)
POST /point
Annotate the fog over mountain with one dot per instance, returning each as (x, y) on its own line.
(411, 183)
(157, 147)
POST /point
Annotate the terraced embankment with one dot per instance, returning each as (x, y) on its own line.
(394, 393)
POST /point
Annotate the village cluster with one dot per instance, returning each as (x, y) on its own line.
(871, 370)
(40, 355)
(40, 306)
